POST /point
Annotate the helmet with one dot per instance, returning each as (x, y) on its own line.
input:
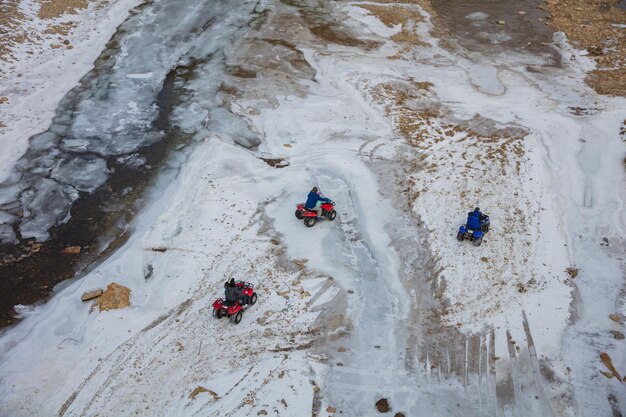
(314, 189)
(231, 283)
(476, 209)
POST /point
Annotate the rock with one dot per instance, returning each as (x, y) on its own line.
(521, 13)
(617, 335)
(616, 318)
(607, 374)
(606, 360)
(261, 321)
(399, 415)
(330, 409)
(382, 405)
(341, 349)
(200, 389)
(71, 250)
(90, 295)
(501, 22)
(197, 391)
(573, 272)
(115, 297)
(262, 413)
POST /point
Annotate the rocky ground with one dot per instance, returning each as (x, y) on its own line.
(598, 29)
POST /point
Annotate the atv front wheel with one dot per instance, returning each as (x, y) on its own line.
(253, 299)
(460, 236)
(485, 228)
(478, 241)
(218, 313)
(310, 221)
(299, 215)
(237, 317)
(331, 216)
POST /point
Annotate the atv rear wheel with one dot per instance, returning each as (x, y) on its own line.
(331, 216)
(485, 228)
(237, 317)
(310, 221)
(460, 236)
(299, 215)
(478, 241)
(253, 299)
(218, 313)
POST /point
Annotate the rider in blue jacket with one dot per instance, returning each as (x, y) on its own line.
(475, 219)
(314, 201)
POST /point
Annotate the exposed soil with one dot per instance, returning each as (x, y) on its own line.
(11, 30)
(599, 28)
(51, 9)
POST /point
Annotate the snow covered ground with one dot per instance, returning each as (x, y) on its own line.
(384, 302)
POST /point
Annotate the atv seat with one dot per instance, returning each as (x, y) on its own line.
(229, 303)
(310, 210)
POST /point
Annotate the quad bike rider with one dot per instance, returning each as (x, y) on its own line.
(316, 207)
(238, 296)
(477, 220)
(475, 228)
(314, 202)
(232, 292)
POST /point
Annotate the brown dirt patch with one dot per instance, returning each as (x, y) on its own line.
(393, 15)
(62, 29)
(419, 117)
(51, 9)
(11, 31)
(397, 15)
(594, 26)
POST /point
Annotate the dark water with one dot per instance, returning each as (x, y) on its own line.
(474, 24)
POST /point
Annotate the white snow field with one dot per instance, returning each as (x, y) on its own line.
(383, 302)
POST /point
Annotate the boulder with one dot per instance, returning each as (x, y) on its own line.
(71, 250)
(116, 296)
(90, 295)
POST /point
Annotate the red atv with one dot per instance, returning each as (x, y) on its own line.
(234, 309)
(310, 216)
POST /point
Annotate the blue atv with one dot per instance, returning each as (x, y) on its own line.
(475, 228)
